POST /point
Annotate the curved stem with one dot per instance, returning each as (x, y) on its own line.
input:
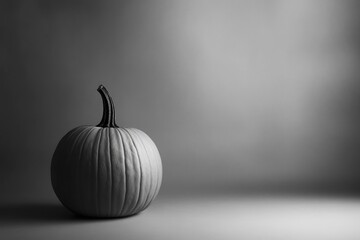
(108, 118)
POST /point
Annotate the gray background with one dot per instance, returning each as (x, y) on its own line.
(237, 95)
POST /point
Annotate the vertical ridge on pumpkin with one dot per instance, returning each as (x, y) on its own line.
(146, 171)
(139, 172)
(152, 181)
(154, 164)
(103, 176)
(110, 172)
(125, 173)
(87, 178)
(150, 144)
(129, 174)
(159, 168)
(120, 178)
(79, 166)
(104, 168)
(97, 153)
(132, 168)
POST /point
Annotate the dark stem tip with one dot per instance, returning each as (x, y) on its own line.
(101, 87)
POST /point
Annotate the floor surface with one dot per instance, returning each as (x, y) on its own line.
(204, 217)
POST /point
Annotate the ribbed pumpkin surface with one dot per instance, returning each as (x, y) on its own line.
(106, 171)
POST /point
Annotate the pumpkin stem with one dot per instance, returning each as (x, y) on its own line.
(108, 118)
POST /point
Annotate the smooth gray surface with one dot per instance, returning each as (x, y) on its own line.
(212, 217)
(235, 94)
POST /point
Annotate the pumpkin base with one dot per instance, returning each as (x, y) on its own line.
(94, 217)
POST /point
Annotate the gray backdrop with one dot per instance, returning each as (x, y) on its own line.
(237, 95)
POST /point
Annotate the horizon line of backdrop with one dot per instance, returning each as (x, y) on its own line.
(236, 94)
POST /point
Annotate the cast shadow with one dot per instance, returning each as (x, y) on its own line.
(16, 214)
(25, 214)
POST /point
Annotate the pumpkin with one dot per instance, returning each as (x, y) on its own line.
(106, 170)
